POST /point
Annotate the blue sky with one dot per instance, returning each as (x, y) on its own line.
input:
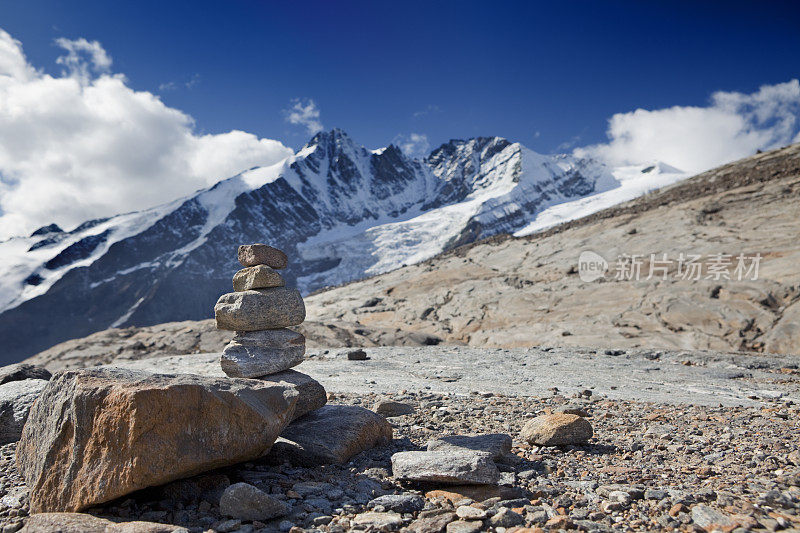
(442, 69)
(109, 107)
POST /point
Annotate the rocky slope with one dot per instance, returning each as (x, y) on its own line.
(342, 212)
(509, 292)
(527, 291)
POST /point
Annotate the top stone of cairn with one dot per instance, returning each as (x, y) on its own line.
(261, 254)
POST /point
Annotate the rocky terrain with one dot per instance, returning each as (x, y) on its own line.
(664, 454)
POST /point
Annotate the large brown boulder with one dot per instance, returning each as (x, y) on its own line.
(97, 434)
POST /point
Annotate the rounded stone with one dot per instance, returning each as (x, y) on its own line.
(557, 430)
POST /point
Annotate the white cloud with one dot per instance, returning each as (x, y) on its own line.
(414, 145)
(694, 139)
(76, 63)
(304, 113)
(86, 145)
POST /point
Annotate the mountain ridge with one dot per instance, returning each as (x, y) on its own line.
(340, 211)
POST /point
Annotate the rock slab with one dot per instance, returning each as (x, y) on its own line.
(98, 434)
(331, 435)
(497, 444)
(246, 502)
(450, 466)
(558, 429)
(260, 254)
(16, 400)
(261, 353)
(86, 523)
(255, 310)
(22, 371)
(312, 395)
(257, 277)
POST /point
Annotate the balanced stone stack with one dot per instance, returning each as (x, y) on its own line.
(260, 311)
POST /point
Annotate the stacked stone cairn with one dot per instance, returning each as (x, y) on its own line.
(260, 310)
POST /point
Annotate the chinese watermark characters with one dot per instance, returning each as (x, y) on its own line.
(660, 266)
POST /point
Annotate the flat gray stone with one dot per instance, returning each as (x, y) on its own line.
(705, 516)
(446, 466)
(261, 353)
(497, 444)
(378, 521)
(331, 435)
(257, 277)
(21, 371)
(399, 503)
(261, 254)
(255, 310)
(16, 399)
(246, 502)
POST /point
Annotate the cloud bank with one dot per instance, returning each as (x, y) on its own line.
(85, 145)
(694, 139)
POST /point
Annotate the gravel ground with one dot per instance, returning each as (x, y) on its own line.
(648, 467)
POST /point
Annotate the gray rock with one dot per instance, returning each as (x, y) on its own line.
(260, 254)
(246, 502)
(257, 277)
(400, 503)
(467, 512)
(261, 353)
(447, 466)
(86, 523)
(391, 408)
(378, 521)
(97, 434)
(505, 517)
(557, 430)
(357, 355)
(705, 516)
(22, 371)
(432, 521)
(16, 399)
(331, 435)
(465, 526)
(497, 444)
(255, 310)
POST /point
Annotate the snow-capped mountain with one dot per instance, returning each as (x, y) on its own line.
(340, 211)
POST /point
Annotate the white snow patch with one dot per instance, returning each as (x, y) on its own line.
(633, 182)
